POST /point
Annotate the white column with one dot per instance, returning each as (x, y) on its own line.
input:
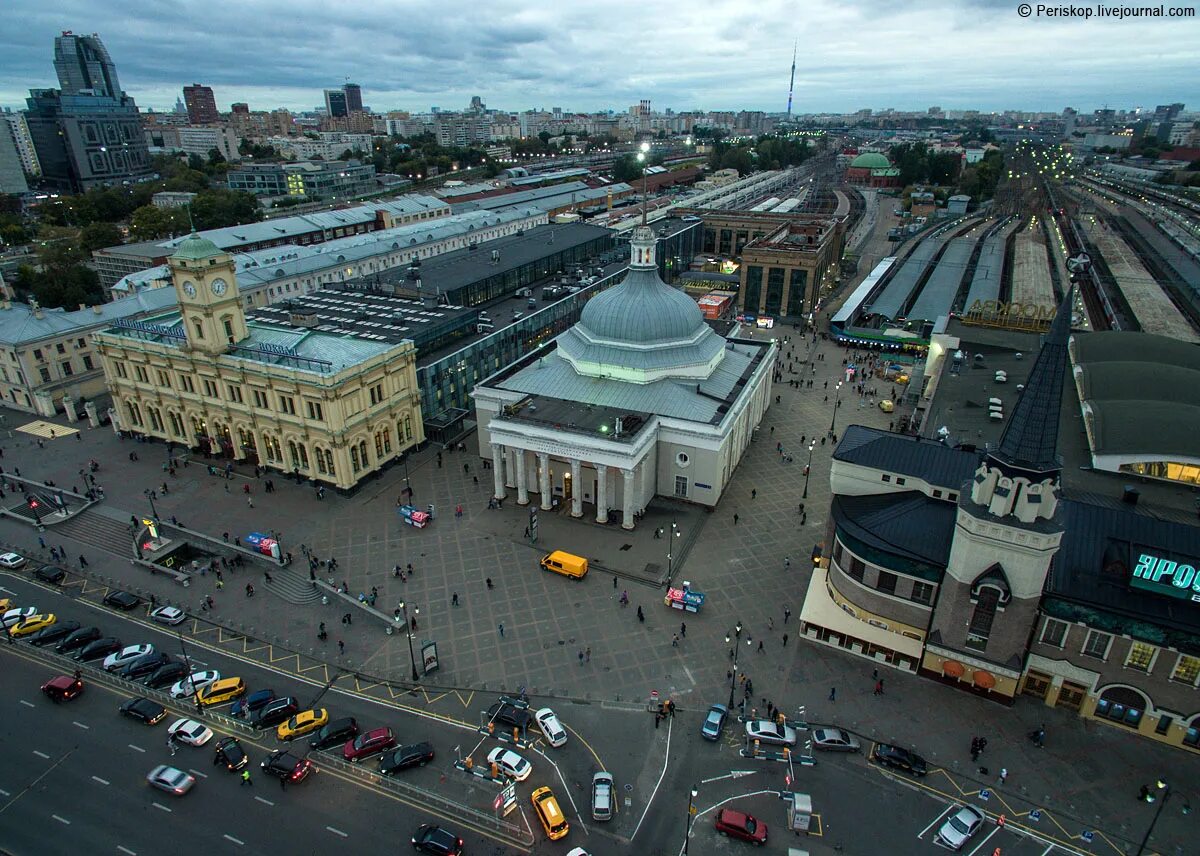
(544, 479)
(576, 490)
(601, 493)
(522, 484)
(627, 500)
(510, 469)
(498, 471)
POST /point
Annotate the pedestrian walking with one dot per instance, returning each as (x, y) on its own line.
(683, 629)
(250, 502)
(787, 562)
(489, 584)
(341, 646)
(42, 542)
(760, 646)
(754, 493)
(502, 630)
(735, 519)
(581, 656)
(833, 693)
(771, 624)
(785, 639)
(454, 599)
(171, 744)
(82, 562)
(1003, 775)
(246, 778)
(674, 640)
(641, 615)
(587, 655)
(614, 582)
(879, 687)
(874, 674)
(787, 613)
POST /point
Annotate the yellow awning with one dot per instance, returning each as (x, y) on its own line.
(822, 610)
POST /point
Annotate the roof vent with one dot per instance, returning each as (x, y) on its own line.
(1130, 495)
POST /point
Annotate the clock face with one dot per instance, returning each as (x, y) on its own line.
(189, 289)
(218, 287)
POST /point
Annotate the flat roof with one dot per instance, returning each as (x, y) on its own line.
(938, 293)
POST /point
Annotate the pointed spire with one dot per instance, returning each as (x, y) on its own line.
(1030, 439)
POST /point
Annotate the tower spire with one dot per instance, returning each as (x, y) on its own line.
(792, 82)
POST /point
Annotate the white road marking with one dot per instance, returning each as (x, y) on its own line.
(27, 704)
(235, 840)
(41, 754)
(160, 805)
(126, 850)
(337, 832)
(264, 801)
(138, 748)
(101, 781)
(688, 672)
(198, 773)
(935, 820)
(81, 725)
(985, 841)
(4, 793)
(1047, 850)
(61, 820)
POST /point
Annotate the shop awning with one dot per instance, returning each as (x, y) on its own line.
(953, 669)
(984, 680)
(823, 611)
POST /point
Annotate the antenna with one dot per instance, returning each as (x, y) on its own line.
(792, 82)
(191, 223)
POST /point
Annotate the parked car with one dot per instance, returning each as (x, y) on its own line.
(15, 616)
(745, 827)
(122, 600)
(510, 764)
(887, 755)
(288, 767)
(120, 659)
(49, 574)
(770, 732)
(190, 731)
(165, 675)
(437, 841)
(99, 649)
(144, 710)
(63, 687)
(714, 722)
(171, 779)
(76, 639)
(335, 733)
(33, 624)
(275, 712)
(960, 826)
(11, 561)
(169, 615)
(230, 754)
(413, 755)
(189, 686)
(509, 715)
(603, 798)
(145, 665)
(55, 633)
(547, 720)
(834, 740)
(252, 703)
(367, 744)
(302, 723)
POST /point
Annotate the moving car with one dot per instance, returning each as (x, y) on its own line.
(77, 639)
(285, 766)
(166, 674)
(276, 711)
(122, 658)
(960, 826)
(436, 840)
(248, 704)
(63, 688)
(99, 649)
(49, 574)
(33, 624)
(11, 560)
(190, 731)
(15, 616)
(414, 755)
(714, 723)
(835, 740)
(545, 806)
(602, 796)
(302, 723)
(144, 665)
(55, 633)
(503, 713)
(770, 732)
(169, 615)
(230, 754)
(745, 827)
(510, 764)
(547, 720)
(893, 756)
(121, 600)
(171, 779)
(335, 733)
(367, 744)
(193, 683)
(143, 709)
(219, 692)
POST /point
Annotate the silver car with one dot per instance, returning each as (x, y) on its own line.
(171, 779)
(961, 825)
(767, 731)
(835, 740)
(602, 796)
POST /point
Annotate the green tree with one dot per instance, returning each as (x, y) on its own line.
(626, 168)
(95, 236)
(218, 208)
(149, 223)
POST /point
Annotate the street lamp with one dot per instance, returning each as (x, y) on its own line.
(408, 629)
(808, 467)
(687, 834)
(675, 533)
(737, 632)
(1149, 796)
(150, 496)
(837, 396)
(188, 665)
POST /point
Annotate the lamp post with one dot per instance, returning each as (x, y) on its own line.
(737, 632)
(687, 833)
(1148, 795)
(188, 665)
(808, 467)
(675, 533)
(150, 496)
(837, 399)
(408, 629)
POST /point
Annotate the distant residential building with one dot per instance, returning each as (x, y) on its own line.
(330, 145)
(1111, 141)
(460, 130)
(354, 102)
(335, 103)
(198, 140)
(239, 108)
(172, 199)
(314, 180)
(201, 105)
(12, 174)
(23, 142)
(83, 65)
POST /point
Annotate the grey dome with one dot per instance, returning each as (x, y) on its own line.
(642, 309)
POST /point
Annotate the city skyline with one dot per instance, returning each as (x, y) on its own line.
(860, 54)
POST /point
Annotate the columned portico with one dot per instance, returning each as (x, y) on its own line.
(544, 480)
(498, 471)
(510, 469)
(627, 500)
(601, 493)
(576, 489)
(522, 483)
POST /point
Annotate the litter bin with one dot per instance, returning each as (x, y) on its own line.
(429, 508)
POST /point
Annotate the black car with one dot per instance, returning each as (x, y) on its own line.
(248, 704)
(286, 766)
(149, 712)
(50, 574)
(145, 665)
(55, 633)
(335, 733)
(230, 754)
(99, 649)
(122, 600)
(166, 674)
(77, 639)
(901, 759)
(277, 711)
(434, 839)
(510, 715)
(416, 755)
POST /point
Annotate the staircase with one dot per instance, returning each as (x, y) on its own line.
(292, 587)
(95, 530)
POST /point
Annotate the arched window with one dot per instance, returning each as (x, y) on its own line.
(298, 453)
(135, 415)
(199, 328)
(227, 323)
(362, 451)
(176, 423)
(383, 443)
(272, 449)
(355, 464)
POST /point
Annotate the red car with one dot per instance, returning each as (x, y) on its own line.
(368, 743)
(63, 688)
(737, 824)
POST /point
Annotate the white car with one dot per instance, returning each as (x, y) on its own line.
(126, 656)
(958, 830)
(510, 763)
(547, 720)
(12, 560)
(191, 732)
(171, 779)
(189, 686)
(170, 615)
(767, 731)
(14, 616)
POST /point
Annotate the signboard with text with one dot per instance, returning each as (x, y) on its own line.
(1166, 576)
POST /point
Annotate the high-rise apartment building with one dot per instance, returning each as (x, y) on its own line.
(24, 143)
(83, 64)
(12, 175)
(335, 103)
(201, 105)
(353, 98)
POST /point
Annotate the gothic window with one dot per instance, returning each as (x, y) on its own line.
(980, 627)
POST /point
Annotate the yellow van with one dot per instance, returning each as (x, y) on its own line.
(566, 564)
(219, 692)
(550, 814)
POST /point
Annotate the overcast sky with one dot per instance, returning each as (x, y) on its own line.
(601, 54)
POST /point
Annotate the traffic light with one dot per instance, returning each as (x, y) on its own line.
(33, 503)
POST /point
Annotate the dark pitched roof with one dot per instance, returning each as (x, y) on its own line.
(909, 526)
(936, 463)
(1030, 439)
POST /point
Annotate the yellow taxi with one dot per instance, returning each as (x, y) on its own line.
(548, 812)
(219, 692)
(302, 723)
(5, 604)
(33, 624)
